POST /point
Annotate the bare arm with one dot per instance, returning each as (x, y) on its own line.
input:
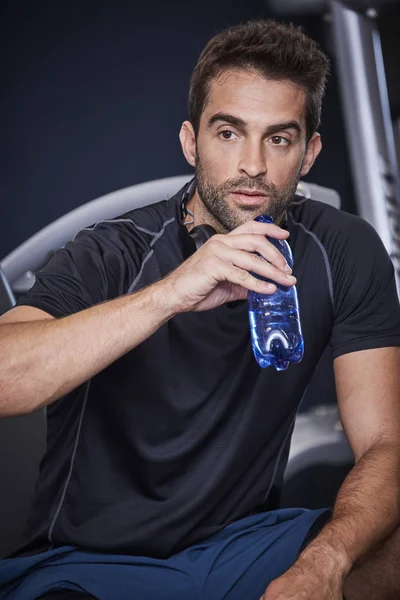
(367, 508)
(42, 359)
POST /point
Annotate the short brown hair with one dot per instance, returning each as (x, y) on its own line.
(277, 51)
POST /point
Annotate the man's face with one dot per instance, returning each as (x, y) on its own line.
(252, 138)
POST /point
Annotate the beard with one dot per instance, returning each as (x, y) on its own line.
(230, 217)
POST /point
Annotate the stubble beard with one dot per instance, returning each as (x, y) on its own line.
(214, 198)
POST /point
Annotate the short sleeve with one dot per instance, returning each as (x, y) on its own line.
(95, 267)
(366, 304)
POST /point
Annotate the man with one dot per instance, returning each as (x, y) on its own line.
(166, 441)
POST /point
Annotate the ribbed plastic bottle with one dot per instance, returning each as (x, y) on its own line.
(275, 326)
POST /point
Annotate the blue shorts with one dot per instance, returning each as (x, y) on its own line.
(237, 562)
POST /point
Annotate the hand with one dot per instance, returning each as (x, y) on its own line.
(299, 583)
(219, 271)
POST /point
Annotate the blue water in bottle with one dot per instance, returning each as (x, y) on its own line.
(275, 326)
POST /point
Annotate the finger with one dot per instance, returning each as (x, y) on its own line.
(245, 279)
(259, 266)
(257, 243)
(262, 228)
(252, 263)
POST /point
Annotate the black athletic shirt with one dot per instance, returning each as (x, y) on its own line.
(186, 433)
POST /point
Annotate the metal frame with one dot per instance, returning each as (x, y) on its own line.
(368, 124)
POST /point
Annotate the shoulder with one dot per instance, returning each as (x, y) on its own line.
(356, 259)
(335, 230)
(138, 227)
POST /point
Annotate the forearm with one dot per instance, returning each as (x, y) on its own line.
(365, 513)
(41, 361)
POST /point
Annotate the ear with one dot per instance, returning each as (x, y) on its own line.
(314, 147)
(188, 142)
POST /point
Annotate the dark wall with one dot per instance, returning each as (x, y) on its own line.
(389, 26)
(93, 96)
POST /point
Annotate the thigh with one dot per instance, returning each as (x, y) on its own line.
(246, 556)
(102, 576)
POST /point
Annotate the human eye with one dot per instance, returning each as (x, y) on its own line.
(227, 135)
(279, 140)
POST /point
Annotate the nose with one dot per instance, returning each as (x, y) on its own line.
(252, 161)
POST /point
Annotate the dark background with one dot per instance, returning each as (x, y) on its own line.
(93, 94)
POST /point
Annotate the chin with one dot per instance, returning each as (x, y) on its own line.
(255, 211)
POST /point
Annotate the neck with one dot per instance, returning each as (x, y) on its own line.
(202, 216)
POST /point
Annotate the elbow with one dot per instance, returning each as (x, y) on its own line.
(14, 403)
(10, 407)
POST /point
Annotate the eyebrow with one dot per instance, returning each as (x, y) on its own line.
(238, 122)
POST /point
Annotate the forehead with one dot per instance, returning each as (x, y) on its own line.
(252, 97)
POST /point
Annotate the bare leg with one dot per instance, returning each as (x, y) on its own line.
(377, 577)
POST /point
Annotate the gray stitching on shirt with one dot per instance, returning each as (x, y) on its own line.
(92, 227)
(52, 524)
(278, 458)
(297, 202)
(324, 254)
(144, 230)
(150, 254)
(138, 276)
(289, 431)
(162, 231)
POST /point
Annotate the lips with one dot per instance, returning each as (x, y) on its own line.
(249, 193)
(253, 197)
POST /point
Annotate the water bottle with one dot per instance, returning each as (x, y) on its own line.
(275, 326)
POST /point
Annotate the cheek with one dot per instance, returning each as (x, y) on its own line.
(218, 163)
(283, 166)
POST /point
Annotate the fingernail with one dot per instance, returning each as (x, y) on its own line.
(291, 278)
(287, 268)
